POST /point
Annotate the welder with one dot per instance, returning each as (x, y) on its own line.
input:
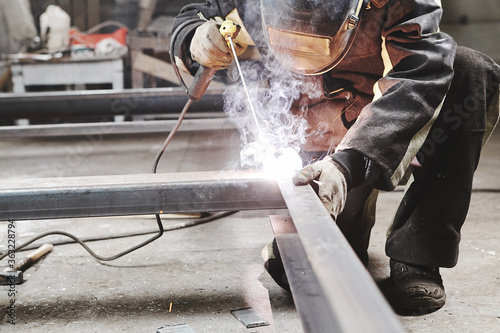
(401, 103)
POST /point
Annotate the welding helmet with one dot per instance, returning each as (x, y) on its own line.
(310, 36)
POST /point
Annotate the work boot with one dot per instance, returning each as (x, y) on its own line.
(417, 288)
(274, 265)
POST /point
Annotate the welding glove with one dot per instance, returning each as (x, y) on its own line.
(332, 184)
(210, 49)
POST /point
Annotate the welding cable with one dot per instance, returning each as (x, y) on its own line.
(171, 135)
(184, 110)
(89, 250)
(183, 85)
(80, 240)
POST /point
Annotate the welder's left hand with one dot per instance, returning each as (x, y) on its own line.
(332, 189)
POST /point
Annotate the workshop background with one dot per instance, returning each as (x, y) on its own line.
(107, 111)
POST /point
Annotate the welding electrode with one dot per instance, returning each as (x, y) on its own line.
(204, 75)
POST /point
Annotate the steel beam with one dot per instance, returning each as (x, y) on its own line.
(356, 303)
(52, 198)
(103, 103)
(311, 304)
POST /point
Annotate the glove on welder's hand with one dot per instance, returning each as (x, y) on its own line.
(332, 189)
(210, 49)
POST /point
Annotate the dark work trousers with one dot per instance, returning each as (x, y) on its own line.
(426, 227)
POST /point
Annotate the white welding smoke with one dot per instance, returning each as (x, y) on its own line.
(274, 144)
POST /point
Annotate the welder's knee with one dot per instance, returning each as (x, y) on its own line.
(475, 69)
(472, 92)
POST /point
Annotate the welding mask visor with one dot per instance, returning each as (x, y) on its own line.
(310, 37)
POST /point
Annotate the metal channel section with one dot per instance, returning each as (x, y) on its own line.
(356, 303)
(53, 198)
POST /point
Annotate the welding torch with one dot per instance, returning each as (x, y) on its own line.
(229, 30)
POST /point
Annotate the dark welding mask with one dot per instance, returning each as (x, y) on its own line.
(311, 36)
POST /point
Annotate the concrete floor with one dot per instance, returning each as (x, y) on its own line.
(195, 276)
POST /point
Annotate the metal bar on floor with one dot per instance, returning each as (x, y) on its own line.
(356, 303)
(311, 304)
(104, 103)
(128, 127)
(53, 198)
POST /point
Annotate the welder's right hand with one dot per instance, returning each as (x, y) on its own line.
(209, 48)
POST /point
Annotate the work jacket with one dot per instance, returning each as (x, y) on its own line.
(393, 80)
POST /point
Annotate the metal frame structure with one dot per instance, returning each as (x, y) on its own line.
(332, 290)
